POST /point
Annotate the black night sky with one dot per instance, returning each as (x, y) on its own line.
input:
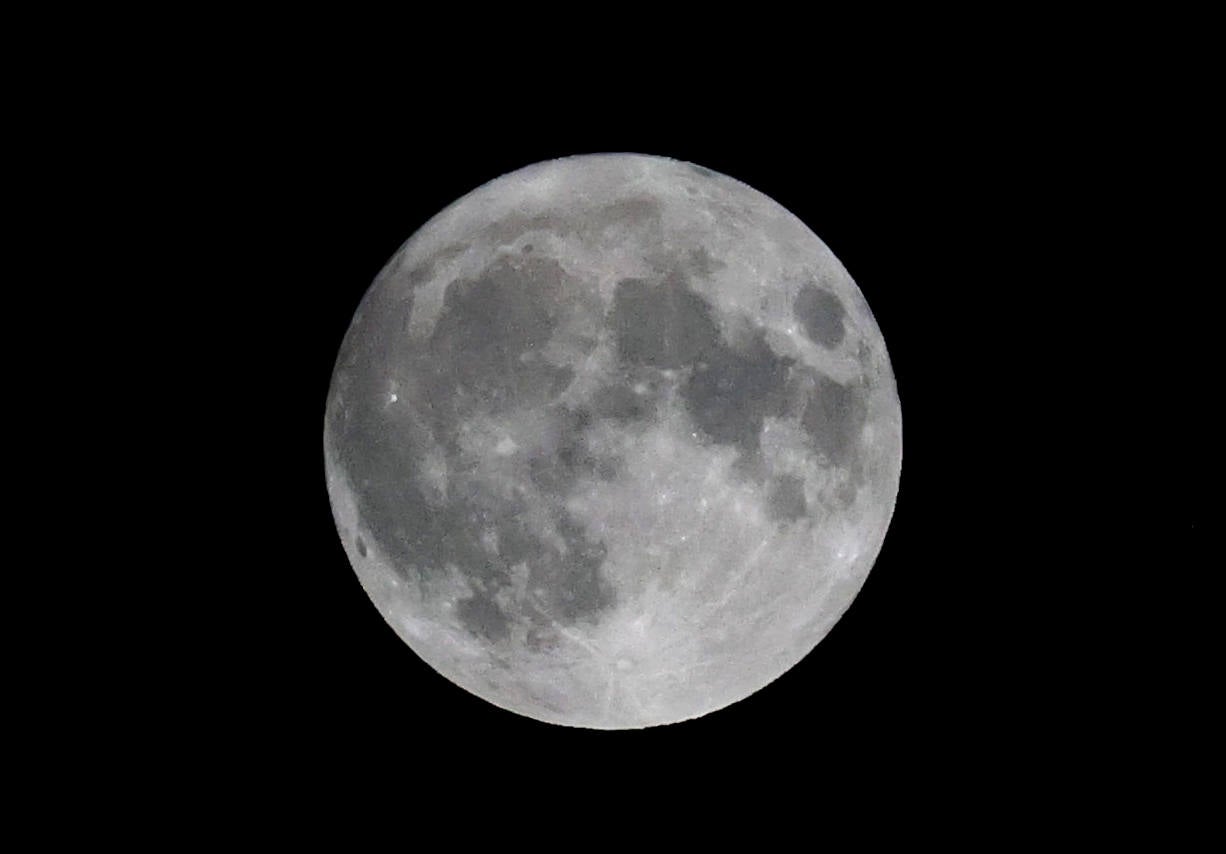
(909, 200)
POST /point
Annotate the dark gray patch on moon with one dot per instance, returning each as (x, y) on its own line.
(422, 537)
(701, 262)
(661, 324)
(482, 616)
(482, 358)
(732, 390)
(490, 327)
(638, 212)
(622, 404)
(821, 315)
(847, 493)
(513, 226)
(516, 542)
(573, 581)
(833, 417)
(643, 211)
(541, 638)
(383, 463)
(420, 274)
(608, 468)
(786, 500)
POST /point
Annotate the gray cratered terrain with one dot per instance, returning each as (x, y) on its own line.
(613, 441)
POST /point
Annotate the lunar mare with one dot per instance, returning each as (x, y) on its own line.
(613, 441)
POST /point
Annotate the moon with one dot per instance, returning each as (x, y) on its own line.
(613, 441)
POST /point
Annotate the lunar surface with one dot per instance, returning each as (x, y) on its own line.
(613, 441)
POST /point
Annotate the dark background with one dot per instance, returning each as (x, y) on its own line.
(1023, 202)
(998, 190)
(918, 204)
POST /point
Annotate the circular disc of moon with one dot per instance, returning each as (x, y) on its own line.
(613, 441)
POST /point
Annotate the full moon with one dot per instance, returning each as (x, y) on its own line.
(613, 441)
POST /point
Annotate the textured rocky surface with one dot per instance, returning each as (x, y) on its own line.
(613, 441)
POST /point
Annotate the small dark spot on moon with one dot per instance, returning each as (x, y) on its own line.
(702, 170)
(560, 378)
(607, 469)
(632, 211)
(621, 403)
(527, 248)
(579, 419)
(514, 225)
(420, 274)
(820, 314)
(549, 475)
(540, 639)
(361, 547)
(786, 501)
(702, 263)
(749, 468)
(570, 454)
(847, 494)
